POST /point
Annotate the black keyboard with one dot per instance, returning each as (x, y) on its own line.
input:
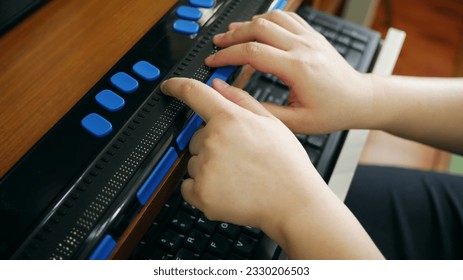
(181, 231)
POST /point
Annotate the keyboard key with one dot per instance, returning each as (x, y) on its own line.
(270, 77)
(301, 137)
(318, 28)
(342, 49)
(202, 3)
(124, 82)
(228, 230)
(97, 125)
(327, 23)
(184, 254)
(170, 241)
(148, 236)
(256, 93)
(159, 255)
(110, 100)
(204, 225)
(186, 27)
(196, 241)
(182, 222)
(265, 93)
(358, 46)
(343, 40)
(355, 34)
(219, 245)
(189, 208)
(137, 253)
(164, 212)
(245, 246)
(329, 34)
(317, 140)
(314, 154)
(190, 13)
(146, 70)
(353, 57)
(252, 231)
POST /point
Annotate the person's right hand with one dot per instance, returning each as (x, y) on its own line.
(248, 168)
(327, 94)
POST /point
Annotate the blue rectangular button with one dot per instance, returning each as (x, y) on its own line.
(157, 175)
(146, 70)
(202, 3)
(110, 100)
(104, 249)
(280, 5)
(190, 128)
(222, 73)
(96, 125)
(186, 26)
(124, 82)
(189, 13)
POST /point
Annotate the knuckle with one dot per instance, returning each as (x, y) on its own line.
(259, 23)
(252, 49)
(188, 86)
(275, 14)
(292, 14)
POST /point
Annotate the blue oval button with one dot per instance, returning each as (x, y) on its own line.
(187, 12)
(202, 3)
(186, 26)
(124, 82)
(109, 100)
(96, 125)
(146, 70)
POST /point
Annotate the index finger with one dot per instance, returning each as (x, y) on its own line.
(201, 98)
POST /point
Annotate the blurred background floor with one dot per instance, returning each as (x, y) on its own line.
(433, 47)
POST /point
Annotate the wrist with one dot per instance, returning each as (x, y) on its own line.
(371, 106)
(281, 223)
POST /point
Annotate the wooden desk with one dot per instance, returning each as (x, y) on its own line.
(49, 61)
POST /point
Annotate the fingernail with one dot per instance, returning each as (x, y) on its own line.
(163, 89)
(234, 25)
(209, 59)
(218, 37)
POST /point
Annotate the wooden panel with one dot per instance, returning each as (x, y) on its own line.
(49, 61)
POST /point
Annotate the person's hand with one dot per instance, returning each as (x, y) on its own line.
(327, 94)
(246, 167)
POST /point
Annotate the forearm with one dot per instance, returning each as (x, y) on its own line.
(427, 110)
(321, 227)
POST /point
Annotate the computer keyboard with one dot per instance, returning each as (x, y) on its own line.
(181, 231)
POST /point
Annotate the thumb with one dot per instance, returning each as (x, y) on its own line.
(287, 114)
(189, 194)
(239, 97)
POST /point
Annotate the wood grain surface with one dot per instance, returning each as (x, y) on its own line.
(49, 61)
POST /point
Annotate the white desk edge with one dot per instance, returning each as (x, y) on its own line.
(349, 156)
